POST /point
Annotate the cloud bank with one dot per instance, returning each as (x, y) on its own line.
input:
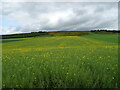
(20, 17)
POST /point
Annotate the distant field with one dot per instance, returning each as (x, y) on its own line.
(89, 61)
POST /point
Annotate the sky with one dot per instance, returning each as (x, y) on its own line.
(22, 17)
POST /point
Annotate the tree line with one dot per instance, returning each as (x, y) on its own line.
(24, 35)
(56, 33)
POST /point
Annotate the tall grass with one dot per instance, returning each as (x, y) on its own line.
(60, 62)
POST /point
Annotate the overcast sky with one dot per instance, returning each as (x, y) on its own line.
(22, 17)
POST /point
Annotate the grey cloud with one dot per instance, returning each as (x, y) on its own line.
(61, 16)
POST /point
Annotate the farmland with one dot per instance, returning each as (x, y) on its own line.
(89, 61)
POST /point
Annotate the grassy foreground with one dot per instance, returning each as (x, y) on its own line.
(61, 62)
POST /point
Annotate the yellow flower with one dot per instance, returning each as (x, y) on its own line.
(83, 56)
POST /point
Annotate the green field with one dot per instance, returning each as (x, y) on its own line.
(89, 61)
